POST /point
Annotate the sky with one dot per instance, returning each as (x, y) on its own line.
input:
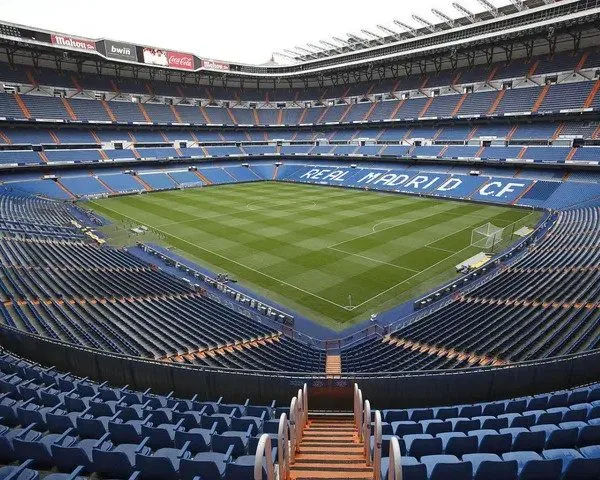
(247, 31)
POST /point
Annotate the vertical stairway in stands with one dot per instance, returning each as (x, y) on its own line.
(330, 448)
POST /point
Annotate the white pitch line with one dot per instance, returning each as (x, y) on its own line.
(231, 213)
(383, 229)
(409, 278)
(440, 249)
(435, 264)
(372, 259)
(232, 261)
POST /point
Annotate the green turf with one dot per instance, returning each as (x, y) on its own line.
(335, 255)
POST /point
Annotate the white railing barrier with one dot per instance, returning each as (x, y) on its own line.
(305, 398)
(300, 421)
(293, 428)
(377, 430)
(283, 446)
(358, 410)
(366, 431)
(263, 450)
(395, 464)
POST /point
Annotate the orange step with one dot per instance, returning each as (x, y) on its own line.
(540, 99)
(346, 112)
(590, 99)
(426, 107)
(512, 132)
(302, 115)
(54, 137)
(396, 109)
(68, 108)
(582, 61)
(533, 68)
(143, 183)
(5, 139)
(205, 114)
(370, 111)
(231, 116)
(105, 185)
(459, 104)
(203, 178)
(22, 106)
(175, 114)
(323, 113)
(65, 189)
(497, 101)
(108, 110)
(523, 193)
(144, 113)
(330, 448)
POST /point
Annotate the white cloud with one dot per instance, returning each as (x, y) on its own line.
(235, 30)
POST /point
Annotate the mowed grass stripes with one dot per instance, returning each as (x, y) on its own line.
(335, 255)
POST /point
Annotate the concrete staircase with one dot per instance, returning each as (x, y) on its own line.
(330, 448)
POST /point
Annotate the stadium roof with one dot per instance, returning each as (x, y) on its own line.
(449, 38)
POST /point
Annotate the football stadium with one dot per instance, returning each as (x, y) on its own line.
(376, 256)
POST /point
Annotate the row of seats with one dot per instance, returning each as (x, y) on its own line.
(441, 442)
(53, 421)
(455, 134)
(550, 155)
(106, 298)
(563, 62)
(542, 305)
(451, 105)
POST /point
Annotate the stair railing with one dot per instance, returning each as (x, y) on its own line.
(377, 430)
(263, 450)
(294, 424)
(298, 419)
(283, 446)
(366, 431)
(395, 464)
(371, 425)
(358, 410)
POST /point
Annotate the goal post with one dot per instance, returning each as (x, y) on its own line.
(486, 236)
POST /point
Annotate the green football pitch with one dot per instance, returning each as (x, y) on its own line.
(335, 255)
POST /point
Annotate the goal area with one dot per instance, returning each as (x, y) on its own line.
(486, 236)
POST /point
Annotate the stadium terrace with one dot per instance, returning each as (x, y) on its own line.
(378, 260)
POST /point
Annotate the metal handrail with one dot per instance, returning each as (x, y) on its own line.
(283, 446)
(395, 463)
(293, 428)
(358, 410)
(301, 416)
(366, 431)
(263, 450)
(377, 446)
(305, 398)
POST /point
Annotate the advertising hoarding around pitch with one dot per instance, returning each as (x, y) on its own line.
(69, 41)
(165, 58)
(120, 50)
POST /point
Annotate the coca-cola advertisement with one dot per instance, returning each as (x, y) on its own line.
(72, 42)
(165, 58)
(182, 61)
(215, 65)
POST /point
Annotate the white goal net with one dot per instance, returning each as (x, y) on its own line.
(486, 236)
